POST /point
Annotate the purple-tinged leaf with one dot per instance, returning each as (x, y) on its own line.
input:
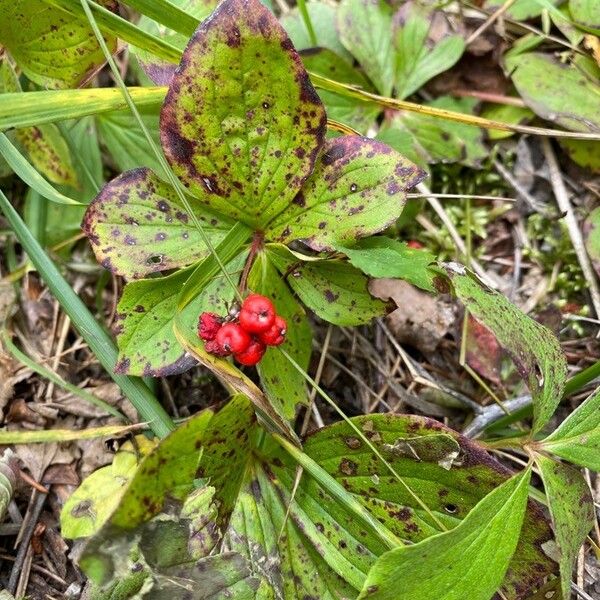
(358, 188)
(137, 225)
(241, 121)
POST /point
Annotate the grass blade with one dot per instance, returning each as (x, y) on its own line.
(98, 340)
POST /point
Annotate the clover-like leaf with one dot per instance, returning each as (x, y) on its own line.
(137, 225)
(333, 289)
(54, 48)
(357, 189)
(241, 124)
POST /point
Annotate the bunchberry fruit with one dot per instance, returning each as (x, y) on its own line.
(257, 314)
(252, 354)
(213, 347)
(233, 338)
(275, 335)
(209, 325)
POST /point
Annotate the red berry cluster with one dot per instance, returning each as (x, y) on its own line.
(245, 334)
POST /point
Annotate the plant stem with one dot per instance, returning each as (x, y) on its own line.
(98, 340)
(258, 241)
(307, 22)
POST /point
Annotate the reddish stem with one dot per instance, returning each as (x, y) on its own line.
(258, 241)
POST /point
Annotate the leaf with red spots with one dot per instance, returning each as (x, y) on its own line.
(137, 225)
(333, 289)
(55, 49)
(358, 188)
(241, 124)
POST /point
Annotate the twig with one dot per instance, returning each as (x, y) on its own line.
(511, 180)
(492, 413)
(493, 17)
(564, 204)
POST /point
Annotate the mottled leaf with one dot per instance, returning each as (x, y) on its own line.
(577, 438)
(126, 142)
(92, 503)
(533, 348)
(284, 385)
(425, 47)
(384, 257)
(428, 140)
(572, 509)
(241, 124)
(350, 111)
(137, 225)
(470, 561)
(145, 316)
(54, 48)
(333, 289)
(160, 71)
(357, 189)
(556, 91)
(323, 17)
(365, 28)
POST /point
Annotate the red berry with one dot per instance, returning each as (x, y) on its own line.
(213, 347)
(414, 244)
(208, 325)
(252, 354)
(257, 314)
(233, 338)
(275, 335)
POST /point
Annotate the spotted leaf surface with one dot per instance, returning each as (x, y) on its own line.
(145, 315)
(333, 289)
(241, 124)
(324, 551)
(283, 384)
(358, 188)
(55, 49)
(533, 348)
(137, 225)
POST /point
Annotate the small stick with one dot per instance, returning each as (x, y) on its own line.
(564, 204)
(493, 17)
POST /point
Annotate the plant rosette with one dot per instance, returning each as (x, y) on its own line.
(244, 132)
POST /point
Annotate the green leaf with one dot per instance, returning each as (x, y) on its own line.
(350, 111)
(323, 17)
(284, 385)
(521, 10)
(533, 348)
(333, 289)
(365, 28)
(469, 561)
(29, 175)
(506, 113)
(572, 509)
(126, 142)
(34, 108)
(558, 92)
(241, 124)
(428, 140)
(577, 438)
(357, 189)
(145, 317)
(419, 55)
(585, 12)
(384, 257)
(585, 153)
(49, 153)
(592, 237)
(179, 15)
(137, 225)
(54, 49)
(92, 503)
